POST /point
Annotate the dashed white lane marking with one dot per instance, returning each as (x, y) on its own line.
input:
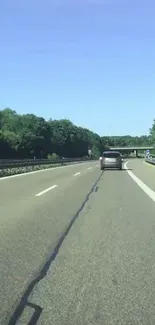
(89, 168)
(77, 174)
(142, 185)
(46, 190)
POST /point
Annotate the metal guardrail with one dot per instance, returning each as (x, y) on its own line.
(8, 163)
(150, 160)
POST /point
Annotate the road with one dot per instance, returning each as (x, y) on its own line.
(77, 246)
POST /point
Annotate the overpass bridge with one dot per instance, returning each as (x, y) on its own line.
(134, 149)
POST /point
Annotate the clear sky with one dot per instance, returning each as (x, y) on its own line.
(91, 61)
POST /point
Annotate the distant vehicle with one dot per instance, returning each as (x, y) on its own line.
(111, 159)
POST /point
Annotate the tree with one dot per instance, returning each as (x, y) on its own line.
(152, 131)
(26, 136)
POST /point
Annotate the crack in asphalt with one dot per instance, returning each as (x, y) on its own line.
(42, 273)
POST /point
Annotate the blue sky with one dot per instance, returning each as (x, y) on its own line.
(91, 61)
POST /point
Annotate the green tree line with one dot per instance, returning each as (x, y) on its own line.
(29, 136)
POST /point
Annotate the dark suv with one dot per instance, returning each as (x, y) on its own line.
(111, 159)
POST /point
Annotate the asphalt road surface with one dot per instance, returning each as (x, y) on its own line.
(77, 246)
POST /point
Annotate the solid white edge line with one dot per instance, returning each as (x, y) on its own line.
(47, 190)
(77, 174)
(142, 185)
(41, 170)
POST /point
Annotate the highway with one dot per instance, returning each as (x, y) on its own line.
(77, 246)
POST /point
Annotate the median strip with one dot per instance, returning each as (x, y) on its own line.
(43, 169)
(46, 190)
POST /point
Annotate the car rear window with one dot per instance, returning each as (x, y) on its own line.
(111, 154)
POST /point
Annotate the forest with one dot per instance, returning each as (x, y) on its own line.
(29, 136)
